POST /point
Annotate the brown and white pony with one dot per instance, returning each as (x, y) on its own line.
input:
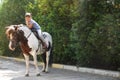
(30, 45)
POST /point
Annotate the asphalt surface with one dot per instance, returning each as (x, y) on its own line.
(14, 70)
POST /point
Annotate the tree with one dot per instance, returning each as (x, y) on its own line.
(12, 12)
(97, 35)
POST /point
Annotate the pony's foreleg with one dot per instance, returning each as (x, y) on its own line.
(47, 60)
(36, 64)
(27, 64)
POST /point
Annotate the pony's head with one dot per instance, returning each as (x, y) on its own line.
(14, 36)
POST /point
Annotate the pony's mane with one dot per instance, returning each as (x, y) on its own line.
(8, 29)
(23, 27)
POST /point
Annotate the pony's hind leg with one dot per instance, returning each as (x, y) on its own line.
(44, 61)
(47, 61)
(27, 64)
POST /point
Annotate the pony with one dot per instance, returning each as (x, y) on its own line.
(30, 45)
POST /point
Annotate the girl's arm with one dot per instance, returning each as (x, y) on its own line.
(30, 25)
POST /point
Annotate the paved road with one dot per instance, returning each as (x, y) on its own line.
(12, 70)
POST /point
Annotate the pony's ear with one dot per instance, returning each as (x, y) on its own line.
(20, 25)
(16, 27)
(6, 27)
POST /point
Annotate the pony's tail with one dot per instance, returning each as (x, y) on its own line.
(50, 48)
(51, 57)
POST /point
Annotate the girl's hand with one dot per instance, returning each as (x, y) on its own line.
(27, 23)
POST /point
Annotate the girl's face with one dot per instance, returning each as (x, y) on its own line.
(27, 18)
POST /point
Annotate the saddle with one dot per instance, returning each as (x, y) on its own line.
(37, 36)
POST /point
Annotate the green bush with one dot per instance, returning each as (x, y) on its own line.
(85, 32)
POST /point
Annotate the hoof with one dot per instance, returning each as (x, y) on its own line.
(26, 75)
(43, 70)
(38, 74)
(46, 72)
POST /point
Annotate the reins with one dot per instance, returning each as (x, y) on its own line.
(29, 35)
